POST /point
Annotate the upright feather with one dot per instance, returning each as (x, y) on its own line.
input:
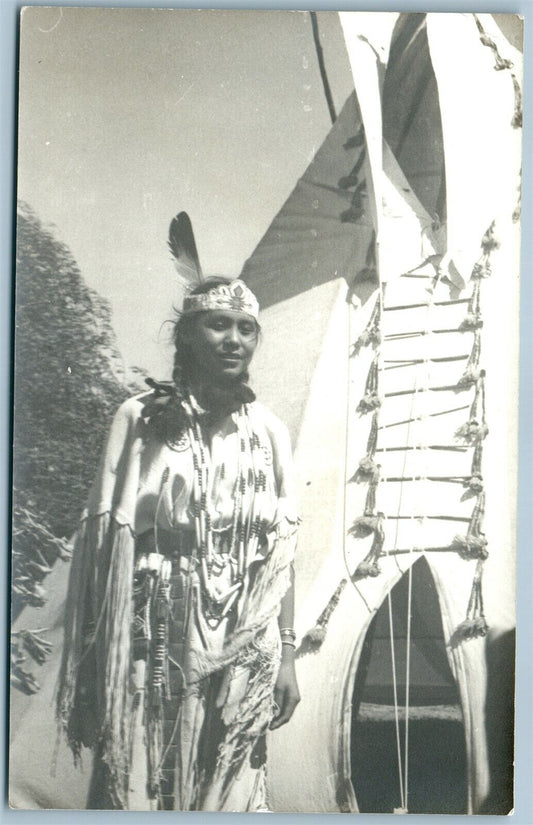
(183, 248)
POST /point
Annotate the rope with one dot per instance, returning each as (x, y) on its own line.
(398, 363)
(407, 685)
(453, 447)
(391, 625)
(429, 415)
(415, 394)
(404, 778)
(396, 707)
(322, 67)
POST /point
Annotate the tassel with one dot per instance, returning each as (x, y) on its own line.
(475, 625)
(371, 400)
(366, 569)
(368, 470)
(473, 320)
(501, 63)
(314, 638)
(474, 544)
(472, 373)
(470, 547)
(472, 432)
(490, 241)
(365, 525)
(472, 629)
(475, 482)
(516, 121)
(470, 377)
(471, 323)
(371, 335)
(475, 430)
(367, 337)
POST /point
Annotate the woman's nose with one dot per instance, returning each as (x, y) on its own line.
(232, 336)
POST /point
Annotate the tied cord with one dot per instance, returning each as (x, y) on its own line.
(164, 409)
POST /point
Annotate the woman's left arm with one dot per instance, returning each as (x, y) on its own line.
(286, 693)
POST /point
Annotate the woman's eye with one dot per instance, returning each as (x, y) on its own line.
(247, 329)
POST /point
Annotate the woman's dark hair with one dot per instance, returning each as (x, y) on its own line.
(183, 366)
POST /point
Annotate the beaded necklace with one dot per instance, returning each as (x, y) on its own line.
(247, 524)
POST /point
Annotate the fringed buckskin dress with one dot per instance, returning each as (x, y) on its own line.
(171, 640)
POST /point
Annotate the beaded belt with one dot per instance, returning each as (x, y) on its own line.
(156, 556)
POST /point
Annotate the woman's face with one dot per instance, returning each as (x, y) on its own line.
(222, 343)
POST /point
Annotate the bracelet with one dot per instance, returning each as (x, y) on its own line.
(287, 642)
(287, 632)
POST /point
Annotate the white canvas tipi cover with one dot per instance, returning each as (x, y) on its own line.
(385, 333)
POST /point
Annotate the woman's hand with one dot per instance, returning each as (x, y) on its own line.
(286, 693)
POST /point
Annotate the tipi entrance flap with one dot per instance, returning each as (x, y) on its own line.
(386, 716)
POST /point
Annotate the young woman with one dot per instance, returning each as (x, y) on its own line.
(179, 644)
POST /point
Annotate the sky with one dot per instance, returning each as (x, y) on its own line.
(128, 116)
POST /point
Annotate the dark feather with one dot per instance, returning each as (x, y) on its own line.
(183, 248)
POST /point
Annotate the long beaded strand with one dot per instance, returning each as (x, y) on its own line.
(201, 514)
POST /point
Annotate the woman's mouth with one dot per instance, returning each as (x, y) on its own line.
(228, 358)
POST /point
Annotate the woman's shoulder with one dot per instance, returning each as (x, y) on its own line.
(133, 408)
(270, 420)
(135, 403)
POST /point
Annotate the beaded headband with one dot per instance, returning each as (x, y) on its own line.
(234, 296)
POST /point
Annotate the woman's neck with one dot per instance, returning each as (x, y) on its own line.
(221, 398)
(205, 391)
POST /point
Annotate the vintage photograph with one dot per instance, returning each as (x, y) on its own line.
(265, 411)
